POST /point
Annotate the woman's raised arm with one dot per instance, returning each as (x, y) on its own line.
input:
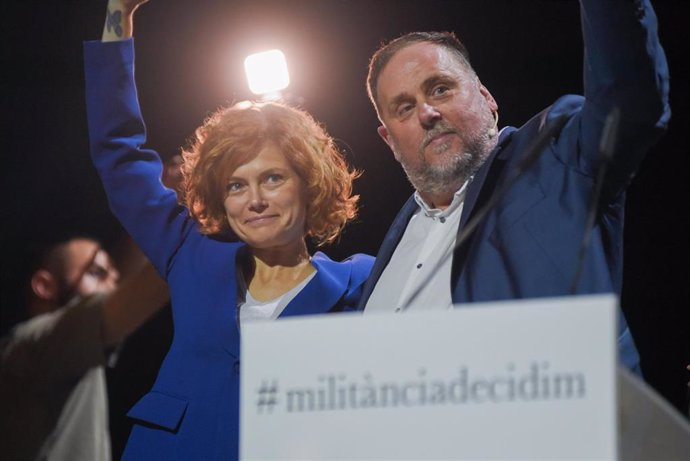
(119, 24)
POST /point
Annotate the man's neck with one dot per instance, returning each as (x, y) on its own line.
(438, 201)
(441, 201)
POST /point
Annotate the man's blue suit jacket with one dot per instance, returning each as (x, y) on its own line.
(528, 244)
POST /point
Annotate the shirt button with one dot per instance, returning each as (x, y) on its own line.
(397, 309)
(442, 219)
(419, 266)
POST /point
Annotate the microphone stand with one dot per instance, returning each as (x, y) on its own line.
(606, 148)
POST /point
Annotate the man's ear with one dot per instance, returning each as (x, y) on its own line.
(383, 132)
(493, 105)
(44, 285)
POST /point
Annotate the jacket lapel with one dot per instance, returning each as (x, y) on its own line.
(390, 242)
(322, 292)
(477, 186)
(320, 295)
(478, 193)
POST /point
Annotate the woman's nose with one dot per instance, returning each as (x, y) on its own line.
(257, 201)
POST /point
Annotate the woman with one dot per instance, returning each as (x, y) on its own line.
(265, 172)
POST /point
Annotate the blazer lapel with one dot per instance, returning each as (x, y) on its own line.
(322, 292)
(390, 242)
(477, 185)
(478, 193)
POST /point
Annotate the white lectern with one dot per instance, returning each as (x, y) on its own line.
(529, 379)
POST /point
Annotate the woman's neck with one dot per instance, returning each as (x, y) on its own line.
(273, 272)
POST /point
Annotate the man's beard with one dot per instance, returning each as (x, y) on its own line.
(448, 176)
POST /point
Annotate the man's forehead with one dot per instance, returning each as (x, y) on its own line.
(85, 251)
(82, 245)
(415, 63)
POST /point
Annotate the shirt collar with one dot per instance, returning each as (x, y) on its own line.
(458, 198)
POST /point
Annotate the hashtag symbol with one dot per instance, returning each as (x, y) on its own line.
(267, 396)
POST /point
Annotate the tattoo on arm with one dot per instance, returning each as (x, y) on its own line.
(114, 21)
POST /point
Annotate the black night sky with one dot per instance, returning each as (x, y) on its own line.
(189, 62)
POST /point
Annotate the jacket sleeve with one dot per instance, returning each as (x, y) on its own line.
(131, 175)
(624, 67)
(53, 350)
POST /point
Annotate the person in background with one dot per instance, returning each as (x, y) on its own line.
(52, 380)
(260, 179)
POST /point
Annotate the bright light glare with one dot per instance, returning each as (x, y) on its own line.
(266, 72)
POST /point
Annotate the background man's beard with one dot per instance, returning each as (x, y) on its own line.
(449, 176)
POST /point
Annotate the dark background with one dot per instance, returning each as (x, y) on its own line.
(189, 62)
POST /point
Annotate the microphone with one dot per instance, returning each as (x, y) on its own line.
(607, 145)
(530, 157)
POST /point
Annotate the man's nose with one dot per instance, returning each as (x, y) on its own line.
(112, 279)
(428, 115)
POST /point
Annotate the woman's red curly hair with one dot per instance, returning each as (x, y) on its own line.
(234, 135)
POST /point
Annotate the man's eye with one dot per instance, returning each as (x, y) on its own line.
(98, 272)
(440, 90)
(404, 109)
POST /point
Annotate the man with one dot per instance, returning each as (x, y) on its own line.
(52, 380)
(441, 124)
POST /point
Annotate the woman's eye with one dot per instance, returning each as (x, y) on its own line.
(233, 187)
(274, 178)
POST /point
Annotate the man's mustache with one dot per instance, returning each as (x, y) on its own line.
(436, 131)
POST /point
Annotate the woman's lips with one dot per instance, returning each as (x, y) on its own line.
(260, 220)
